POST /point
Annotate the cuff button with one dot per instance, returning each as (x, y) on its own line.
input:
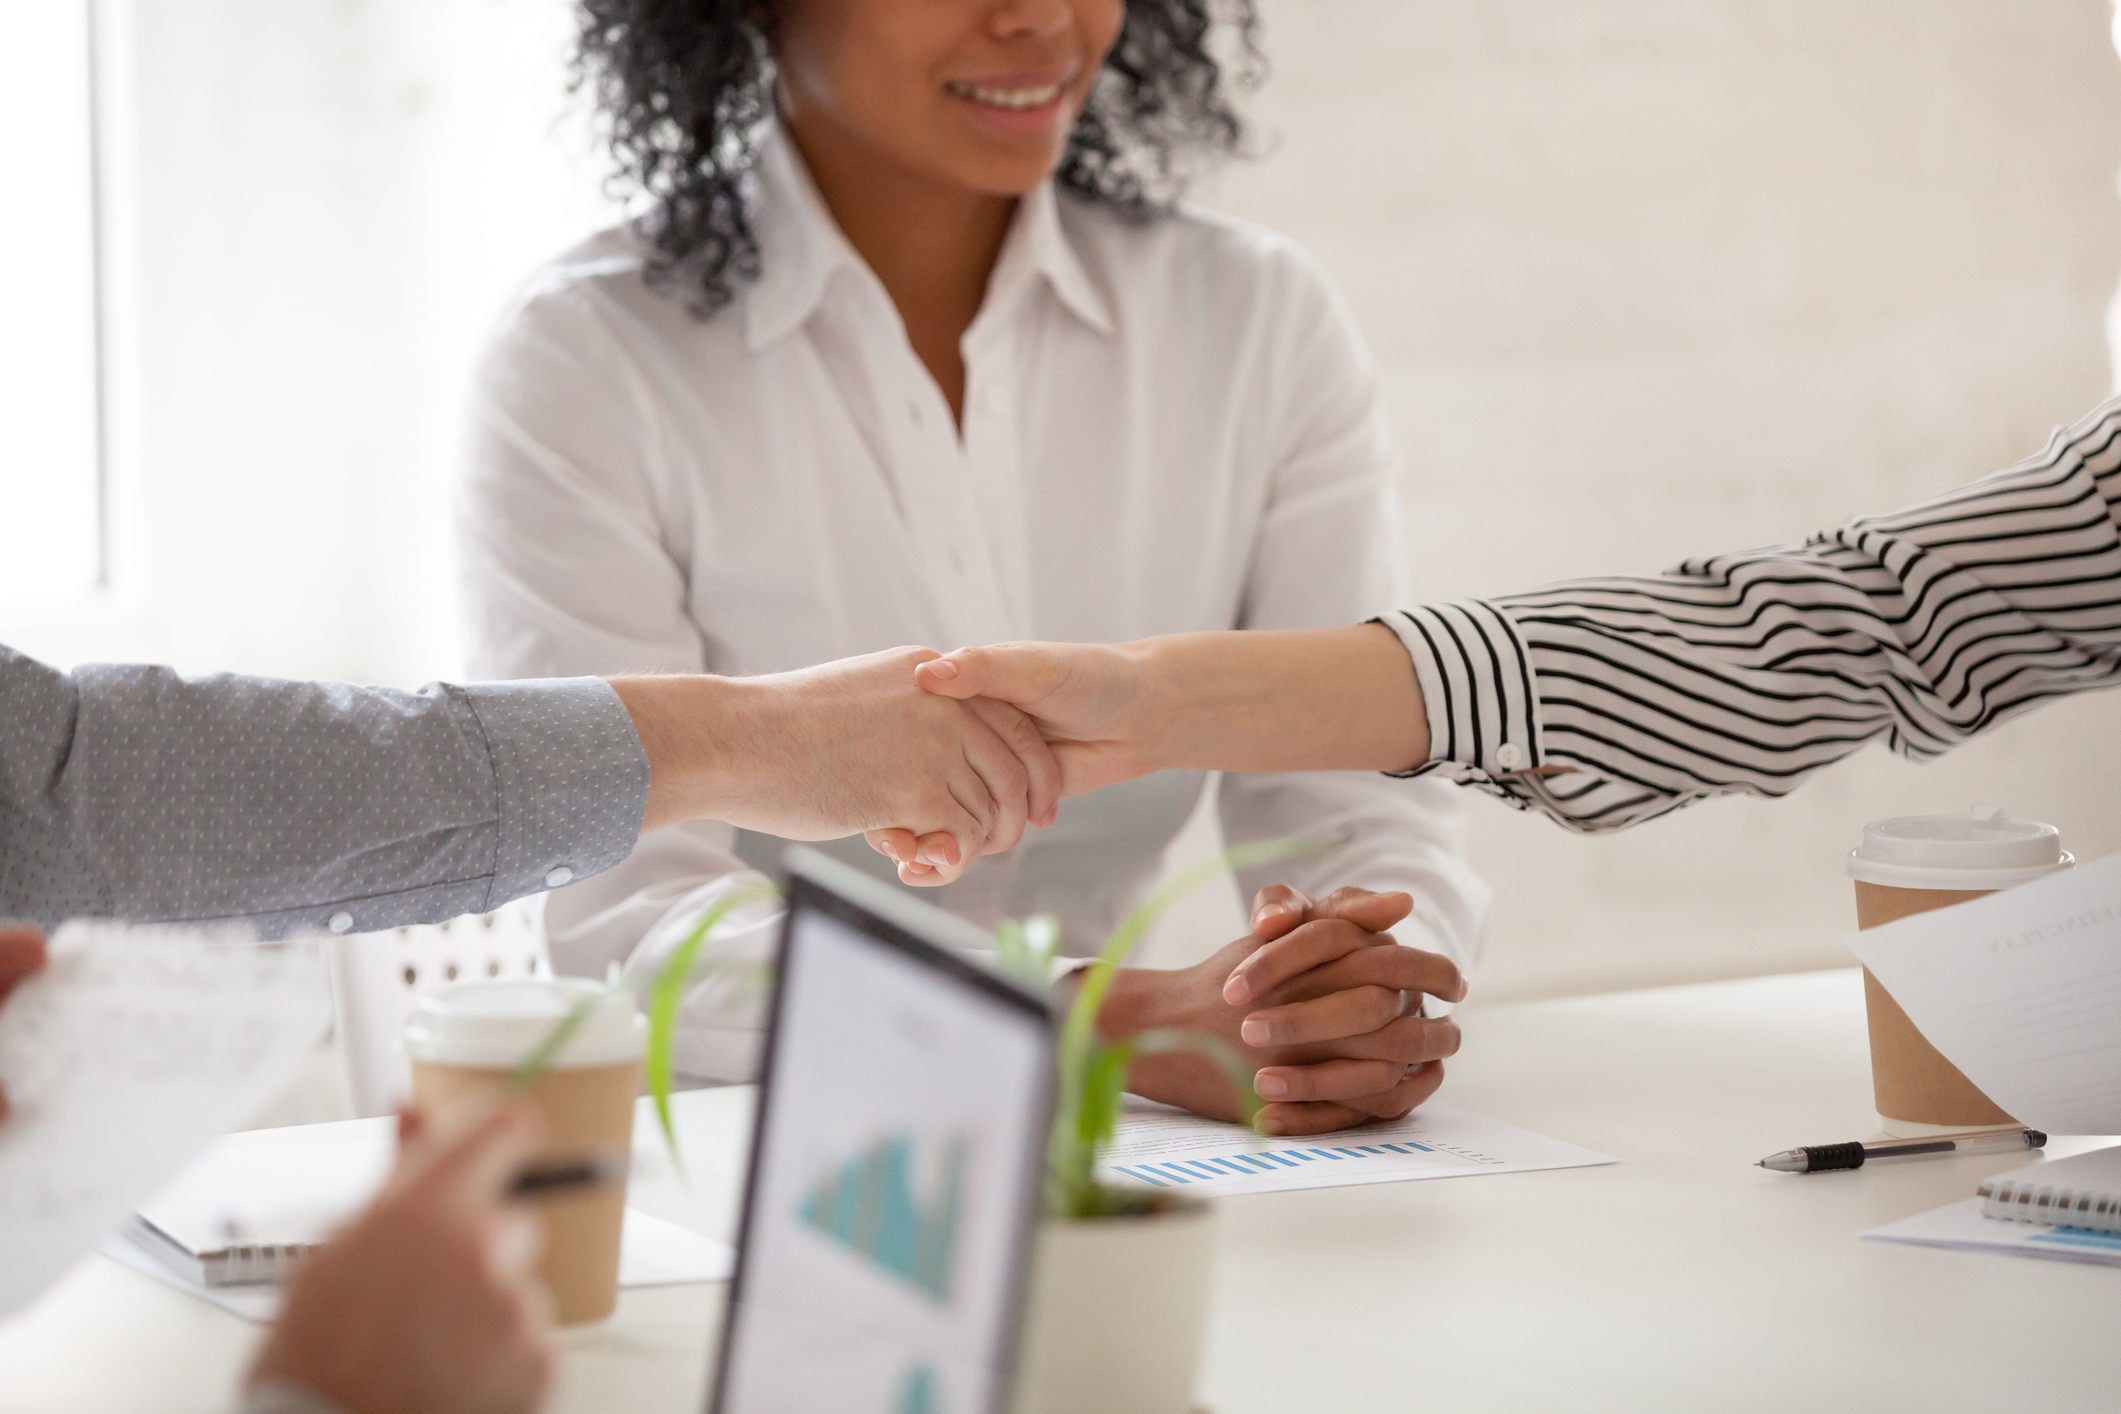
(341, 922)
(1509, 756)
(556, 878)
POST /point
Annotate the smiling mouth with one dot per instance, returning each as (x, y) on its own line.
(1013, 99)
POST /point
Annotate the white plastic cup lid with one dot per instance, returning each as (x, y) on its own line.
(495, 1025)
(1981, 850)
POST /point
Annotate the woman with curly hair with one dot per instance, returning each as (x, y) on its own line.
(913, 343)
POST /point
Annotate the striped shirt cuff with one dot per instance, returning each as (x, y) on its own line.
(1476, 685)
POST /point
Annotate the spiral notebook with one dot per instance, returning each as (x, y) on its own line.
(2062, 1208)
(2080, 1192)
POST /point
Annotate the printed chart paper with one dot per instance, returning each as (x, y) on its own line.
(124, 1058)
(1961, 1225)
(2022, 991)
(1161, 1147)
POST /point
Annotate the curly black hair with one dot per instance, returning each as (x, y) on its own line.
(683, 84)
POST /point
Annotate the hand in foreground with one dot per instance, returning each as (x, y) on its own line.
(845, 746)
(1319, 997)
(21, 953)
(425, 1303)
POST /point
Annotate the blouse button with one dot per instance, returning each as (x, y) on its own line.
(340, 922)
(1509, 756)
(556, 877)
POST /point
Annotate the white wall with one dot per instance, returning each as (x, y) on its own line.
(1645, 278)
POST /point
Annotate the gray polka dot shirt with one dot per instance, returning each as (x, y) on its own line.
(132, 792)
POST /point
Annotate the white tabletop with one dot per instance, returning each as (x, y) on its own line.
(1682, 1278)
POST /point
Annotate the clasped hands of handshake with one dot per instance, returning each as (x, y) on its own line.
(961, 753)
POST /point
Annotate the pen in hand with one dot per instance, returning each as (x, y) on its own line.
(542, 1180)
(1818, 1158)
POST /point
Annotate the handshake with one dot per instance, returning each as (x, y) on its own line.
(942, 759)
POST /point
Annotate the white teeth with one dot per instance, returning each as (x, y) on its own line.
(1008, 97)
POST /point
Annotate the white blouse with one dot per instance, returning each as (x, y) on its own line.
(1168, 426)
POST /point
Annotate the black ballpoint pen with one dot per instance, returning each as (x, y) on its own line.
(1817, 1158)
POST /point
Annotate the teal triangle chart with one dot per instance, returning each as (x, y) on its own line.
(868, 1205)
(917, 1395)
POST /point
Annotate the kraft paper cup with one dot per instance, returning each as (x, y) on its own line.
(465, 1040)
(1916, 864)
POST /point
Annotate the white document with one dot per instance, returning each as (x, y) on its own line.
(1163, 1147)
(2022, 991)
(1961, 1225)
(652, 1252)
(299, 1192)
(268, 1195)
(123, 1059)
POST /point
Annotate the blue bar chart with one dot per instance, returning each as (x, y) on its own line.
(868, 1205)
(1159, 1147)
(1211, 1168)
(917, 1395)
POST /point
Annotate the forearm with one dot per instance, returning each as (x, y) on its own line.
(693, 730)
(1321, 700)
(1747, 673)
(134, 792)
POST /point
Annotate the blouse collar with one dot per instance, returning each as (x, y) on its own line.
(801, 249)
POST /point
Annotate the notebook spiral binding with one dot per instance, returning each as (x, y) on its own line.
(2021, 1201)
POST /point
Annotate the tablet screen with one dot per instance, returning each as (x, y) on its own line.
(895, 1177)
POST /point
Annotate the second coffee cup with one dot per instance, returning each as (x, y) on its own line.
(467, 1039)
(1915, 864)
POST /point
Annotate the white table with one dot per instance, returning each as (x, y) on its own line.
(1681, 1278)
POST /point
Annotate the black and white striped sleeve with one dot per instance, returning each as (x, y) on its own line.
(1607, 702)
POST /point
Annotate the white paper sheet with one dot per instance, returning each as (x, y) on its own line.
(296, 1192)
(123, 1059)
(1166, 1148)
(269, 1194)
(652, 1252)
(1961, 1225)
(2022, 991)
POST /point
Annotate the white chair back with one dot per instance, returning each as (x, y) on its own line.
(375, 976)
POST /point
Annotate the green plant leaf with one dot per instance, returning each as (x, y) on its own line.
(1235, 1069)
(667, 994)
(1085, 1118)
(541, 1055)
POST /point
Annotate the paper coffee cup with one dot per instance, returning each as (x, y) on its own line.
(1914, 864)
(466, 1039)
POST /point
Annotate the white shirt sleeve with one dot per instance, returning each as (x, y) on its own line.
(565, 560)
(1328, 550)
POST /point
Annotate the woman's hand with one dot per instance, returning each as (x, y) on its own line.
(1343, 699)
(1089, 701)
(427, 1303)
(1319, 997)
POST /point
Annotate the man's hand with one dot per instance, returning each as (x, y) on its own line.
(1319, 997)
(427, 1302)
(1089, 701)
(847, 746)
(21, 953)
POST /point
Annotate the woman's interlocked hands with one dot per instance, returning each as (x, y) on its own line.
(1319, 998)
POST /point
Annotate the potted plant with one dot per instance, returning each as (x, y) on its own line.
(1119, 1297)
(1119, 1292)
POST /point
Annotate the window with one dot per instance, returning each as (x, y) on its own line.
(50, 459)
